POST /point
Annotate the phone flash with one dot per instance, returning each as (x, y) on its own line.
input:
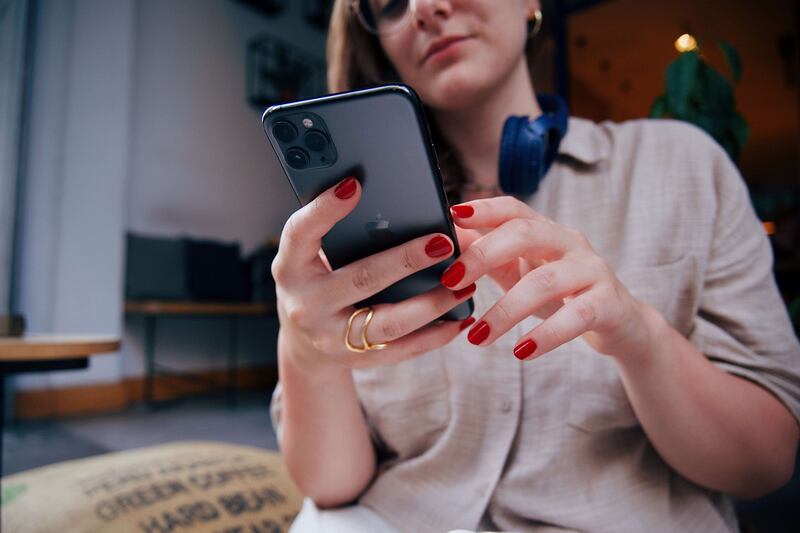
(308, 123)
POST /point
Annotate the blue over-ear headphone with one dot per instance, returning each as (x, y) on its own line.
(529, 147)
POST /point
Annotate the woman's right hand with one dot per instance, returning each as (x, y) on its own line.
(314, 303)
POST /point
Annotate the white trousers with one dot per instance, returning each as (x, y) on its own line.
(351, 519)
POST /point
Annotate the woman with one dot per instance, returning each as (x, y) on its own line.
(655, 373)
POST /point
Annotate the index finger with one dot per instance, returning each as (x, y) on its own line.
(301, 238)
(492, 212)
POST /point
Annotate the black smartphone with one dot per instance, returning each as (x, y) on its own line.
(380, 137)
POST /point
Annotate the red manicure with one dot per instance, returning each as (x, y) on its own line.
(467, 322)
(453, 275)
(462, 211)
(438, 247)
(524, 349)
(463, 293)
(346, 188)
(479, 333)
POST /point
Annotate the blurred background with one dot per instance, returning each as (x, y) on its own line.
(141, 203)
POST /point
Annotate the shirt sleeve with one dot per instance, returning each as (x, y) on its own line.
(742, 324)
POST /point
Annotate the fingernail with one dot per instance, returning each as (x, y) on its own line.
(453, 275)
(438, 246)
(463, 293)
(524, 349)
(479, 333)
(462, 211)
(346, 188)
(467, 322)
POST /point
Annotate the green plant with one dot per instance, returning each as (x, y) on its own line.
(697, 93)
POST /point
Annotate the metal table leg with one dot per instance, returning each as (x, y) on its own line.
(233, 356)
(150, 349)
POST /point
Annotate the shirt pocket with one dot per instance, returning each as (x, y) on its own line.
(672, 288)
(407, 405)
(598, 399)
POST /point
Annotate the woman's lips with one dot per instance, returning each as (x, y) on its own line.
(442, 47)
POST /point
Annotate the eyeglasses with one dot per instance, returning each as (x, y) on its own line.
(382, 17)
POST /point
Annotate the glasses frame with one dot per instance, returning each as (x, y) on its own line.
(355, 10)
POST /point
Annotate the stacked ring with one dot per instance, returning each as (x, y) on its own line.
(365, 345)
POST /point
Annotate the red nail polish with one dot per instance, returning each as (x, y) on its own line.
(463, 293)
(524, 349)
(346, 188)
(438, 247)
(467, 322)
(453, 275)
(462, 211)
(479, 333)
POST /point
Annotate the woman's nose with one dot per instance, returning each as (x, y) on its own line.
(428, 14)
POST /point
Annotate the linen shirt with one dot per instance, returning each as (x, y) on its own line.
(471, 437)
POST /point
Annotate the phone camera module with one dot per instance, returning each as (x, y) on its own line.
(302, 141)
(316, 140)
(284, 131)
(297, 158)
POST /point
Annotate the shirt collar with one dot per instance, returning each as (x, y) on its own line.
(585, 141)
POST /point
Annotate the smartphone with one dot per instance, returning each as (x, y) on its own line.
(380, 137)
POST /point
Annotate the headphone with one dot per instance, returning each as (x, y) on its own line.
(529, 147)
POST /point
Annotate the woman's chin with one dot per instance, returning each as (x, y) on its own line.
(455, 89)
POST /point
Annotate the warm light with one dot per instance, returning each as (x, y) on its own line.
(769, 227)
(685, 43)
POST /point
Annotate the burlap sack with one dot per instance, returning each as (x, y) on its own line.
(174, 488)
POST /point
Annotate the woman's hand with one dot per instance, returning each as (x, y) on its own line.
(314, 303)
(548, 270)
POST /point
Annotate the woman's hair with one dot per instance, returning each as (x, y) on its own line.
(356, 60)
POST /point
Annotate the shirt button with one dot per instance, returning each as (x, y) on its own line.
(506, 405)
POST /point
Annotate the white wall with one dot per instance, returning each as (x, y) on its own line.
(199, 161)
(70, 262)
(140, 123)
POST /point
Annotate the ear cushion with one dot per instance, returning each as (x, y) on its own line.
(529, 147)
(507, 142)
(521, 157)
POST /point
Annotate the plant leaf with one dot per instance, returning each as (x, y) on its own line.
(680, 79)
(739, 129)
(659, 107)
(732, 58)
(714, 92)
(731, 146)
(737, 133)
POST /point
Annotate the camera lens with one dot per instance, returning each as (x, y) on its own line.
(297, 158)
(316, 140)
(284, 131)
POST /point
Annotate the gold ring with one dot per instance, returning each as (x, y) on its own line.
(365, 345)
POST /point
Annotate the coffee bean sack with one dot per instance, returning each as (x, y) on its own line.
(174, 488)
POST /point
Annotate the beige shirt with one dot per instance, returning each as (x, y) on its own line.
(467, 433)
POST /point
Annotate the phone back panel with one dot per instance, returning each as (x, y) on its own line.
(381, 139)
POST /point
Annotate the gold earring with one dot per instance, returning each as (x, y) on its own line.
(537, 23)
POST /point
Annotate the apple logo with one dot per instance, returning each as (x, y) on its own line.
(379, 230)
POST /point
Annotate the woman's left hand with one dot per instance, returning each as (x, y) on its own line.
(546, 270)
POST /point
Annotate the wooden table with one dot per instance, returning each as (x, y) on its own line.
(53, 347)
(232, 311)
(44, 353)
